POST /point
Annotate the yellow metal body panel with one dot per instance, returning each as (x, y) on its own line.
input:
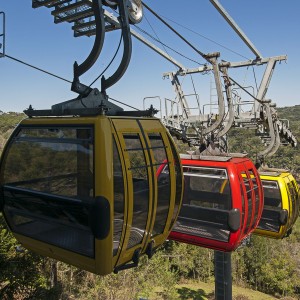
(104, 187)
(292, 207)
(58, 253)
(59, 121)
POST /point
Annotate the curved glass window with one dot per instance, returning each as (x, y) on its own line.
(163, 183)
(249, 200)
(179, 187)
(272, 195)
(52, 160)
(140, 184)
(118, 199)
(293, 198)
(270, 219)
(206, 202)
(297, 198)
(256, 193)
(48, 185)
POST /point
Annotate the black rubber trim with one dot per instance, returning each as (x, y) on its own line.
(100, 217)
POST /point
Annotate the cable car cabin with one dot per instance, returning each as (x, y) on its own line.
(281, 205)
(84, 190)
(222, 203)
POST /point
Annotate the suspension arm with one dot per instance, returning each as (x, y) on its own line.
(94, 54)
(127, 44)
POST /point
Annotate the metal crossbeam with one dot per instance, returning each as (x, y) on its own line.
(48, 3)
(237, 64)
(235, 27)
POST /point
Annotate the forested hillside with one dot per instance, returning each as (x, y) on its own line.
(286, 157)
(266, 265)
(8, 122)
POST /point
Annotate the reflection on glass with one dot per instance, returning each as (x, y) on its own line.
(207, 198)
(247, 185)
(207, 187)
(163, 183)
(272, 206)
(139, 170)
(49, 185)
(118, 200)
(256, 194)
(294, 186)
(179, 187)
(51, 165)
(272, 194)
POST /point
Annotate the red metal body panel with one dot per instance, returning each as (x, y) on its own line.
(246, 196)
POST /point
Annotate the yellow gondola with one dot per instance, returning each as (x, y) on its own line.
(84, 190)
(281, 204)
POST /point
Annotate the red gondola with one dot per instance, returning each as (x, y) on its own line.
(222, 204)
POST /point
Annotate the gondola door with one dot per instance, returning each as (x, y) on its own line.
(293, 194)
(251, 197)
(167, 190)
(152, 206)
(131, 144)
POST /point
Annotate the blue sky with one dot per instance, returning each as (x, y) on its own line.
(31, 35)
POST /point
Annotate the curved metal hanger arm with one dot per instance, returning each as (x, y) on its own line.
(277, 140)
(230, 105)
(265, 152)
(127, 43)
(95, 52)
(216, 71)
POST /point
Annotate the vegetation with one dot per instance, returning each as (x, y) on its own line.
(8, 122)
(286, 157)
(176, 271)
